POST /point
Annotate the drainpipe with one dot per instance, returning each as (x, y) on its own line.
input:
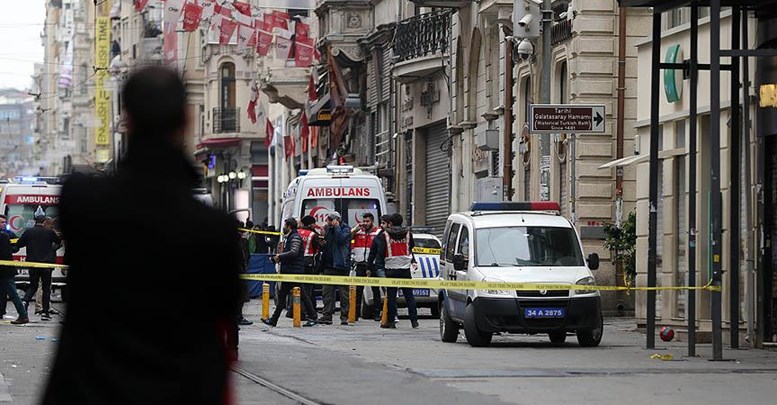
(507, 158)
(621, 111)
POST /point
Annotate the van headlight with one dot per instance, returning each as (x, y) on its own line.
(587, 281)
(496, 292)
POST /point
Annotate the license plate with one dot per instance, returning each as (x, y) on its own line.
(544, 313)
(420, 292)
(24, 272)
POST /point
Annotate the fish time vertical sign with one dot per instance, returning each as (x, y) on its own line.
(102, 95)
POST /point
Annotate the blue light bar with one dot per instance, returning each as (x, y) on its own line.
(303, 172)
(516, 206)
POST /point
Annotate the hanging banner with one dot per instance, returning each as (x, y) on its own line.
(102, 96)
(243, 19)
(66, 75)
(227, 30)
(140, 5)
(208, 8)
(302, 30)
(170, 45)
(242, 8)
(304, 131)
(252, 103)
(282, 48)
(244, 34)
(303, 52)
(192, 13)
(173, 9)
(280, 22)
(263, 42)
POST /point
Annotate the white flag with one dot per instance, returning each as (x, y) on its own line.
(282, 48)
(243, 19)
(208, 8)
(244, 34)
(173, 9)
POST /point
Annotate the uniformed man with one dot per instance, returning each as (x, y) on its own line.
(399, 258)
(311, 242)
(362, 237)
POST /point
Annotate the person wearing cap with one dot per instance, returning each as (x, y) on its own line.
(42, 244)
(311, 241)
(336, 262)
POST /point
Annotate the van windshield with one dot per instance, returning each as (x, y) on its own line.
(527, 246)
(22, 216)
(351, 209)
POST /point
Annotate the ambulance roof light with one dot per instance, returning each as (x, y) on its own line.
(303, 172)
(516, 206)
(336, 169)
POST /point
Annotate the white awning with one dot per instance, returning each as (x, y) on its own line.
(628, 160)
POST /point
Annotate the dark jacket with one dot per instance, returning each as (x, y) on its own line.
(293, 256)
(140, 241)
(6, 254)
(377, 257)
(41, 244)
(339, 241)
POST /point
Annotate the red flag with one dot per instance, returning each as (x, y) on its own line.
(303, 52)
(225, 10)
(140, 5)
(312, 95)
(243, 8)
(263, 42)
(302, 30)
(252, 40)
(252, 103)
(170, 45)
(269, 132)
(280, 21)
(191, 16)
(227, 29)
(304, 131)
(288, 146)
(313, 137)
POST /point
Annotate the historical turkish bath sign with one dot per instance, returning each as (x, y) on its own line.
(566, 118)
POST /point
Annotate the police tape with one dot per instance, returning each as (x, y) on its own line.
(440, 284)
(32, 265)
(426, 251)
(259, 232)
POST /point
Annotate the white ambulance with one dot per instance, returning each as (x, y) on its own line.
(344, 189)
(20, 201)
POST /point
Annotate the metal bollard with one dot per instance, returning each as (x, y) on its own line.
(384, 315)
(352, 304)
(265, 301)
(295, 305)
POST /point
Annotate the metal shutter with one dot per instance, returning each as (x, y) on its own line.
(437, 193)
(563, 184)
(681, 275)
(384, 70)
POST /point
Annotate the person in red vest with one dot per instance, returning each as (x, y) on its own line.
(398, 260)
(311, 243)
(362, 237)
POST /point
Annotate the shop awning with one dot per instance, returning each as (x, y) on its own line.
(628, 160)
(670, 4)
(320, 113)
(215, 143)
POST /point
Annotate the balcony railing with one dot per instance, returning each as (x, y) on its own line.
(561, 31)
(226, 120)
(422, 35)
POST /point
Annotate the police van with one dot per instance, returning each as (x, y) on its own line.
(345, 189)
(21, 200)
(524, 242)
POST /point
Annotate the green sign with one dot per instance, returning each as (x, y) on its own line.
(673, 83)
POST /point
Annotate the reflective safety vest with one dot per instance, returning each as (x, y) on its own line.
(307, 241)
(398, 254)
(360, 246)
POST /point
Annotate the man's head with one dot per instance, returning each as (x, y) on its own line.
(385, 221)
(249, 224)
(397, 220)
(3, 221)
(307, 220)
(155, 105)
(368, 220)
(333, 218)
(40, 219)
(289, 224)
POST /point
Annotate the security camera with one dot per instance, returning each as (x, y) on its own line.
(525, 21)
(524, 49)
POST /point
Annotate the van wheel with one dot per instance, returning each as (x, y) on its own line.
(435, 311)
(475, 336)
(557, 337)
(591, 337)
(449, 330)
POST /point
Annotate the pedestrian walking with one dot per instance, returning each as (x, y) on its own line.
(311, 241)
(398, 257)
(336, 259)
(376, 263)
(42, 244)
(168, 265)
(362, 237)
(7, 281)
(245, 257)
(292, 261)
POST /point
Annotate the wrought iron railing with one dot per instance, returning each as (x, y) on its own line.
(422, 35)
(561, 31)
(226, 120)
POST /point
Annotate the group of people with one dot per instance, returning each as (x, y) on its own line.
(42, 242)
(337, 249)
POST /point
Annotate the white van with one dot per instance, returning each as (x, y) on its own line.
(20, 201)
(523, 242)
(344, 189)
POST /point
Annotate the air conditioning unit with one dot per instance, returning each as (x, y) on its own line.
(488, 139)
(488, 189)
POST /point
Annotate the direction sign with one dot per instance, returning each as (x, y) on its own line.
(572, 118)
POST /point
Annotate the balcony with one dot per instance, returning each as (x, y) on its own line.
(420, 45)
(226, 120)
(442, 3)
(561, 31)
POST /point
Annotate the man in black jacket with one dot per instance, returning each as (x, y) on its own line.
(161, 253)
(42, 244)
(292, 261)
(7, 284)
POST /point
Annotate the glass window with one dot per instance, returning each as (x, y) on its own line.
(527, 246)
(451, 242)
(426, 243)
(463, 247)
(21, 216)
(351, 209)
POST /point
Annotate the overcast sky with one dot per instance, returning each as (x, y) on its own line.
(21, 22)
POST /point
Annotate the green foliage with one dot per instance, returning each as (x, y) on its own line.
(622, 242)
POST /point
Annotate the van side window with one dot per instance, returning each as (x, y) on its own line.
(463, 246)
(450, 244)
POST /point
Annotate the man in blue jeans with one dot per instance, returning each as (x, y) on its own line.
(7, 283)
(398, 257)
(336, 257)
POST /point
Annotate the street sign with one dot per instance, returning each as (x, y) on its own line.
(572, 118)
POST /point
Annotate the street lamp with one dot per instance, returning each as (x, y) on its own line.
(232, 175)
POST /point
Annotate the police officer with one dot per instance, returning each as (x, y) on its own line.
(362, 237)
(399, 258)
(311, 242)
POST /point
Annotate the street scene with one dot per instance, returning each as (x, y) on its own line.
(396, 201)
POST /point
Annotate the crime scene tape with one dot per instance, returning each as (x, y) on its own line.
(451, 285)
(33, 265)
(259, 232)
